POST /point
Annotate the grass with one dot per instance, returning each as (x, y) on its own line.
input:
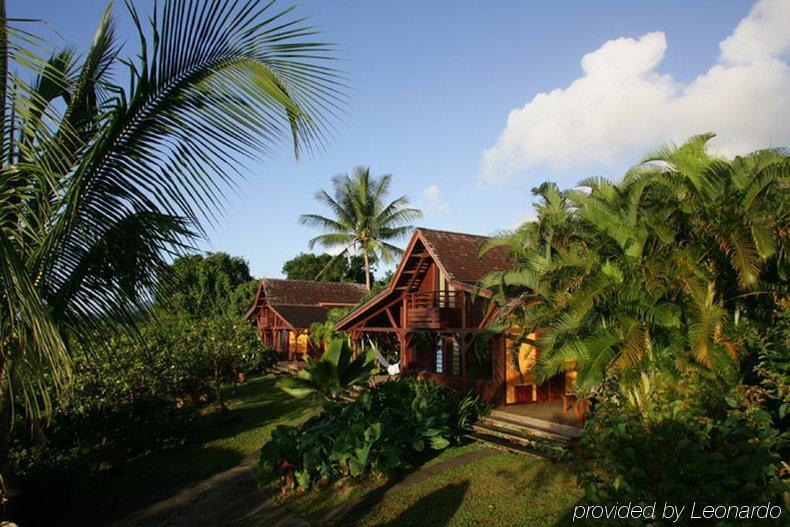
(219, 442)
(499, 489)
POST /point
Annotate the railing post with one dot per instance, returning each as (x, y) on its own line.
(463, 309)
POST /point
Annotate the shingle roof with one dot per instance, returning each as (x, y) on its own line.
(457, 253)
(311, 293)
(303, 302)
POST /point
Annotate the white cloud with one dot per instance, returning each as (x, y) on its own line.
(431, 200)
(523, 217)
(622, 106)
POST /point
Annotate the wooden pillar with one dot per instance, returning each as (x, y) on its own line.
(354, 342)
(498, 369)
(464, 345)
(403, 344)
(464, 295)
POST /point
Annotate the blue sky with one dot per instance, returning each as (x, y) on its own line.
(433, 84)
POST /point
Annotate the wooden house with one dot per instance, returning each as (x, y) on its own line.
(284, 310)
(441, 325)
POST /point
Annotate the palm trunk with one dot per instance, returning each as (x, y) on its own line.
(5, 433)
(367, 267)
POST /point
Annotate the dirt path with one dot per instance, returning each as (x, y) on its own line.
(228, 498)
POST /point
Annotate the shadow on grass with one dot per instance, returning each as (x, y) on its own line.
(435, 509)
(217, 442)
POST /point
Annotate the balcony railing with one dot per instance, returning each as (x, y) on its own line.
(441, 310)
(434, 299)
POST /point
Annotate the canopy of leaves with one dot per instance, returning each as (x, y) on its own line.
(102, 184)
(198, 286)
(362, 221)
(653, 273)
(325, 267)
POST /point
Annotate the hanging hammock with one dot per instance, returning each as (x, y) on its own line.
(392, 369)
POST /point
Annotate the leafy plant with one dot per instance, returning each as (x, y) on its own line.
(653, 271)
(330, 375)
(390, 427)
(733, 456)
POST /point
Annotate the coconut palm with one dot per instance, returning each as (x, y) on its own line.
(363, 220)
(100, 184)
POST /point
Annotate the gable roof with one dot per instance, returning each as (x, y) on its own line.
(300, 303)
(454, 252)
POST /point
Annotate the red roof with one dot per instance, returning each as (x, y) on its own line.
(300, 303)
(311, 293)
(456, 252)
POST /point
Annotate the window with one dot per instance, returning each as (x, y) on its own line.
(439, 356)
(455, 359)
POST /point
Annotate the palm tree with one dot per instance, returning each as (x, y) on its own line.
(363, 220)
(100, 184)
(652, 268)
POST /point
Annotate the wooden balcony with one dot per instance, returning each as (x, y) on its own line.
(440, 310)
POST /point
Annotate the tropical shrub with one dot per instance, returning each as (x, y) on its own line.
(388, 428)
(728, 454)
(132, 395)
(325, 331)
(331, 375)
(654, 270)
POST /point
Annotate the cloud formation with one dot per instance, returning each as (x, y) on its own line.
(623, 106)
(431, 200)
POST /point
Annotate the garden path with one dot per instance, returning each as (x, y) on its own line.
(229, 498)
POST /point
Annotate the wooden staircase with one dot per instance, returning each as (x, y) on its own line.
(525, 435)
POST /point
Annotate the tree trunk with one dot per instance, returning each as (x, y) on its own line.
(6, 411)
(218, 389)
(367, 267)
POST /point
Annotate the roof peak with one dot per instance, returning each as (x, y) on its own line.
(354, 284)
(426, 229)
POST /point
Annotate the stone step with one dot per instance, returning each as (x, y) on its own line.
(534, 422)
(503, 444)
(527, 430)
(523, 439)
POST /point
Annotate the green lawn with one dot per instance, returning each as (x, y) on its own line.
(498, 490)
(218, 443)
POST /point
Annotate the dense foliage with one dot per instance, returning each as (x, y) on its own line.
(362, 221)
(325, 331)
(667, 293)
(137, 394)
(654, 271)
(325, 267)
(388, 428)
(102, 184)
(724, 451)
(197, 286)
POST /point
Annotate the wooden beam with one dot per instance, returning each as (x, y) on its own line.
(392, 318)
